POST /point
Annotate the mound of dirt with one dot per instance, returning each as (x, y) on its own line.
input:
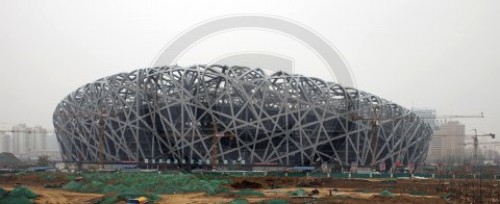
(246, 184)
(8, 160)
(313, 183)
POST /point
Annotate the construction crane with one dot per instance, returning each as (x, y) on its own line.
(461, 116)
(481, 143)
(476, 143)
(214, 149)
(101, 122)
(449, 117)
(375, 123)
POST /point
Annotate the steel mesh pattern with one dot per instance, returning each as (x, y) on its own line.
(177, 113)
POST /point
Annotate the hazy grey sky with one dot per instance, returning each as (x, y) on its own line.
(435, 54)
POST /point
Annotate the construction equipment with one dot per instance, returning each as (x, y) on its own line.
(375, 123)
(214, 149)
(139, 200)
(460, 116)
(101, 122)
(449, 117)
(476, 143)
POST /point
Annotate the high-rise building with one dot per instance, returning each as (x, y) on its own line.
(38, 139)
(447, 142)
(20, 139)
(6, 142)
(26, 139)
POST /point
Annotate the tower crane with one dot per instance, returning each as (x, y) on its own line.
(445, 117)
(216, 136)
(375, 121)
(461, 116)
(101, 121)
(476, 143)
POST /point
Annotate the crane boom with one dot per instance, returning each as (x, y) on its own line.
(463, 116)
(476, 144)
(481, 115)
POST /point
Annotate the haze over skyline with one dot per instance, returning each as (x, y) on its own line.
(423, 54)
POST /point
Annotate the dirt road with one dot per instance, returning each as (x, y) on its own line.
(57, 196)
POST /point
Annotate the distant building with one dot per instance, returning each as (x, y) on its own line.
(20, 139)
(39, 139)
(447, 142)
(26, 139)
(428, 115)
(6, 142)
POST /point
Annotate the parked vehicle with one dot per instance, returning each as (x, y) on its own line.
(139, 200)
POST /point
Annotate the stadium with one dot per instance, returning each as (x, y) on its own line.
(234, 115)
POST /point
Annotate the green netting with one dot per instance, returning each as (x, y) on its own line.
(386, 193)
(239, 201)
(276, 201)
(249, 193)
(19, 195)
(93, 187)
(418, 193)
(73, 186)
(299, 192)
(128, 185)
(46, 176)
(3, 192)
(15, 200)
(22, 192)
(362, 190)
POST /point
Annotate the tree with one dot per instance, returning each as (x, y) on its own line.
(43, 160)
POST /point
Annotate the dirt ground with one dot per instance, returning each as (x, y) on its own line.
(57, 196)
(330, 191)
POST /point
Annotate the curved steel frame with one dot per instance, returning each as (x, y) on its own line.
(174, 113)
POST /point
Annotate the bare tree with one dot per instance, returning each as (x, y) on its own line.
(43, 160)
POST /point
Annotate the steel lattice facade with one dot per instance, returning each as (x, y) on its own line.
(176, 112)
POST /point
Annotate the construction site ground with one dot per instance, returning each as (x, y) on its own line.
(329, 190)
